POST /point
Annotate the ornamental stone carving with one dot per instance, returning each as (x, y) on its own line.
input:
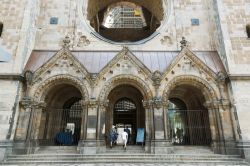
(28, 75)
(157, 77)
(83, 41)
(66, 42)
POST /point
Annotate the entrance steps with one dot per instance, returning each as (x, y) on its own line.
(133, 156)
(56, 150)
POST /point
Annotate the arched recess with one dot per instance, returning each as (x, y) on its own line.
(190, 121)
(63, 115)
(122, 89)
(40, 90)
(137, 82)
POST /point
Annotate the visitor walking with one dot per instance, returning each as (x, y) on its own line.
(128, 131)
(124, 139)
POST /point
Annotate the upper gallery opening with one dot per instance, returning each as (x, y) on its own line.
(125, 21)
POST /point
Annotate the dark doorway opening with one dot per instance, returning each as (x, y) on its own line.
(126, 109)
(61, 121)
(188, 118)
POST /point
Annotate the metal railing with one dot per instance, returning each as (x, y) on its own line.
(189, 127)
(60, 127)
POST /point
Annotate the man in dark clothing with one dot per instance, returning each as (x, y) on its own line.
(127, 131)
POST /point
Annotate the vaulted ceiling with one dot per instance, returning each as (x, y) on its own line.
(154, 6)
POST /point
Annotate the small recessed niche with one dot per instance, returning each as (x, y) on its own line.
(1, 28)
(248, 30)
(195, 22)
(53, 20)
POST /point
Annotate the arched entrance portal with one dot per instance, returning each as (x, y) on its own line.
(61, 121)
(189, 119)
(126, 109)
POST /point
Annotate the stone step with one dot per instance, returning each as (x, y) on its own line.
(212, 162)
(56, 149)
(44, 159)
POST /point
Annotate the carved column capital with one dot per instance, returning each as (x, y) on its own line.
(159, 103)
(90, 103)
(217, 104)
(104, 103)
(147, 104)
(40, 105)
(26, 102)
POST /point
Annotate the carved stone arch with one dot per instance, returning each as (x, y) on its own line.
(43, 88)
(137, 82)
(209, 92)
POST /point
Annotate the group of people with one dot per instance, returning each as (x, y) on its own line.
(113, 135)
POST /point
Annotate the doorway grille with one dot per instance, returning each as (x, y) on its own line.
(189, 127)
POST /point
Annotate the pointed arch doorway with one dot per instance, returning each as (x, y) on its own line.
(126, 109)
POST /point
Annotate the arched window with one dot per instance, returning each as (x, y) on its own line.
(124, 104)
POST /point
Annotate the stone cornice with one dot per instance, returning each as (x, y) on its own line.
(12, 76)
(239, 76)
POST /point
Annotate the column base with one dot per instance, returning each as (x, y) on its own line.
(5, 149)
(91, 146)
(244, 148)
(161, 147)
(226, 147)
(24, 147)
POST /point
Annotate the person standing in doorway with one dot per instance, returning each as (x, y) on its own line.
(128, 131)
(124, 139)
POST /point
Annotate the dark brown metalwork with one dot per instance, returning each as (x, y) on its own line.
(61, 126)
(189, 127)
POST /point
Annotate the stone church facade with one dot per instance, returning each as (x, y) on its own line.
(183, 76)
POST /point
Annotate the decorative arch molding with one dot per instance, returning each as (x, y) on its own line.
(210, 93)
(41, 89)
(138, 83)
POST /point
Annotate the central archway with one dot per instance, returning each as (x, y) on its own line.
(126, 109)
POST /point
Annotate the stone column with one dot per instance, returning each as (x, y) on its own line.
(148, 124)
(230, 144)
(162, 143)
(23, 119)
(215, 127)
(34, 125)
(84, 119)
(28, 125)
(89, 142)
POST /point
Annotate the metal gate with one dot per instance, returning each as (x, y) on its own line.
(60, 126)
(189, 127)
